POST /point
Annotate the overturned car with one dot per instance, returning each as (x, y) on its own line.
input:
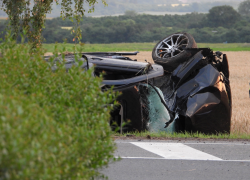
(187, 89)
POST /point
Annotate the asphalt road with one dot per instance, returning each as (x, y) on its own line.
(189, 160)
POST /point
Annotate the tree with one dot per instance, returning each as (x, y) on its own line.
(244, 8)
(32, 19)
(224, 16)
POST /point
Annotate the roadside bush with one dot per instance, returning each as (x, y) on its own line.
(53, 125)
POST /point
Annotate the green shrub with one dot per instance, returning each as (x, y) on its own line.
(53, 125)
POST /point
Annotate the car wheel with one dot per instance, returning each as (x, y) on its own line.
(170, 51)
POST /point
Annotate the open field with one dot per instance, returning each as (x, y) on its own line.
(3, 18)
(116, 47)
(239, 63)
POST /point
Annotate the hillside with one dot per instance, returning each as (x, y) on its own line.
(147, 28)
(149, 6)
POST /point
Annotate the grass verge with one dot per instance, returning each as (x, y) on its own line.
(116, 47)
(164, 135)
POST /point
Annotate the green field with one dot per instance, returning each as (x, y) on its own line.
(116, 47)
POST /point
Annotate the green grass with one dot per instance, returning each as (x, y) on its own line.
(226, 47)
(116, 47)
(182, 135)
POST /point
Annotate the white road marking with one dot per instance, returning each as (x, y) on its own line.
(198, 143)
(237, 144)
(154, 158)
(175, 151)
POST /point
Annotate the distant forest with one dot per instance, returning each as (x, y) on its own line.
(231, 27)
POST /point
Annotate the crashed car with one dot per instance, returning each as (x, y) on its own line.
(186, 90)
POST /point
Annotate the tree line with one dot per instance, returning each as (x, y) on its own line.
(214, 27)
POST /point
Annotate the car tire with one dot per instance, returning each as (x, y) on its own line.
(170, 51)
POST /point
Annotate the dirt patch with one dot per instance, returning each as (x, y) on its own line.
(142, 56)
(48, 54)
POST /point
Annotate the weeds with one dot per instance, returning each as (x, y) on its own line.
(53, 125)
(165, 135)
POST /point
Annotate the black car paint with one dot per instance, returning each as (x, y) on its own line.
(203, 102)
